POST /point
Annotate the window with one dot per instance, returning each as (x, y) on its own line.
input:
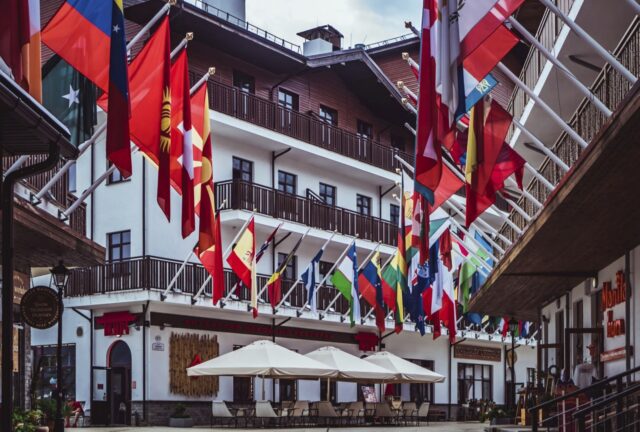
(422, 392)
(287, 99)
(246, 83)
(397, 142)
(394, 214)
(115, 176)
(286, 182)
(287, 389)
(119, 245)
(242, 386)
(329, 115)
(365, 130)
(44, 371)
(290, 270)
(332, 390)
(328, 194)
(363, 204)
(474, 382)
(560, 339)
(242, 169)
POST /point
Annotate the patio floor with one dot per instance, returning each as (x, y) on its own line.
(433, 427)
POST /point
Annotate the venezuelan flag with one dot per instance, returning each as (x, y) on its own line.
(80, 33)
(118, 147)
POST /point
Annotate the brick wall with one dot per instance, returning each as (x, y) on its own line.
(158, 412)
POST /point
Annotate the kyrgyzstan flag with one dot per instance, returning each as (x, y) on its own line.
(150, 123)
(182, 164)
(209, 248)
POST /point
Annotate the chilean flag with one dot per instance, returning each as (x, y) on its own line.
(181, 135)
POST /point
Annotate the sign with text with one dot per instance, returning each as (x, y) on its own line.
(612, 297)
(39, 307)
(614, 354)
(477, 352)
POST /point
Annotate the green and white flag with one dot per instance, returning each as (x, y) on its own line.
(345, 279)
(70, 97)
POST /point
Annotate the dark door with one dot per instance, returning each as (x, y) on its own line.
(119, 384)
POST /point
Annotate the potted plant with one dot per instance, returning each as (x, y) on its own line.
(180, 417)
(48, 409)
(28, 421)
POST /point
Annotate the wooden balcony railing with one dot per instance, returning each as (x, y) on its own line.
(610, 87)
(153, 273)
(270, 115)
(59, 191)
(240, 195)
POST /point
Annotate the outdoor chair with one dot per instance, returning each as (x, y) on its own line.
(300, 413)
(265, 414)
(369, 412)
(327, 414)
(384, 415)
(423, 413)
(222, 415)
(357, 412)
(409, 413)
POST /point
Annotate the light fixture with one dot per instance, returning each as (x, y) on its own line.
(513, 326)
(60, 275)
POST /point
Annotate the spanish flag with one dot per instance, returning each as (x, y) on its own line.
(242, 260)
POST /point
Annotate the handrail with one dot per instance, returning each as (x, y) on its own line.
(593, 386)
(614, 397)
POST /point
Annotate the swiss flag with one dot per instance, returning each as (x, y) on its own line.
(181, 156)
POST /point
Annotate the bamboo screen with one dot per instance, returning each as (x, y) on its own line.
(183, 349)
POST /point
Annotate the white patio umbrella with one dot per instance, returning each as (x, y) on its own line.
(265, 359)
(404, 370)
(350, 367)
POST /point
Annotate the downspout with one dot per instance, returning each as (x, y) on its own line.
(145, 308)
(92, 200)
(144, 209)
(90, 320)
(450, 382)
(7, 276)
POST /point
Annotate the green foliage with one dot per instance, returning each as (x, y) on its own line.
(26, 421)
(47, 407)
(180, 411)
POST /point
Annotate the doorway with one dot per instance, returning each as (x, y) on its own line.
(119, 384)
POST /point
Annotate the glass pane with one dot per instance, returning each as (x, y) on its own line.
(487, 371)
(115, 253)
(486, 390)
(126, 237)
(478, 371)
(126, 251)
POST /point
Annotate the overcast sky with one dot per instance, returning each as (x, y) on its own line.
(360, 21)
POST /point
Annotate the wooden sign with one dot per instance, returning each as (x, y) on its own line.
(39, 307)
(476, 352)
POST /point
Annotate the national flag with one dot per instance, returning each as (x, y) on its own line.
(274, 284)
(181, 157)
(267, 243)
(345, 279)
(450, 184)
(483, 59)
(370, 286)
(449, 82)
(503, 327)
(242, 261)
(428, 165)
(33, 52)
(70, 97)
(117, 143)
(209, 248)
(309, 278)
(150, 123)
(445, 249)
(389, 282)
(479, 19)
(15, 36)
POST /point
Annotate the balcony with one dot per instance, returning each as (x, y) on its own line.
(267, 114)
(58, 194)
(240, 195)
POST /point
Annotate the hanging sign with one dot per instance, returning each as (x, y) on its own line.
(39, 307)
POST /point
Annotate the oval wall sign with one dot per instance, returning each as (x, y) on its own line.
(39, 307)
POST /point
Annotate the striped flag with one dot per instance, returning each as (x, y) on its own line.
(242, 261)
(309, 278)
(345, 279)
(274, 284)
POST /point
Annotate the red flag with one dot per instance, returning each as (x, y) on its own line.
(14, 36)
(428, 166)
(445, 249)
(181, 136)
(484, 58)
(209, 238)
(496, 126)
(508, 162)
(150, 123)
(450, 183)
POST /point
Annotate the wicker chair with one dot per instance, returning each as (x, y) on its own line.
(409, 413)
(222, 415)
(423, 413)
(384, 415)
(265, 414)
(327, 414)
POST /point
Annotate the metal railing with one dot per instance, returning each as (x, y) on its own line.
(241, 195)
(239, 22)
(390, 41)
(270, 115)
(610, 87)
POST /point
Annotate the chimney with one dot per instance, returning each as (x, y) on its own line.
(321, 40)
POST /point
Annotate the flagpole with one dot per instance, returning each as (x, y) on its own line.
(365, 262)
(264, 288)
(65, 215)
(301, 309)
(480, 221)
(163, 296)
(472, 239)
(205, 77)
(237, 284)
(493, 243)
(328, 274)
(591, 42)
(225, 254)
(540, 145)
(82, 147)
(382, 267)
(554, 60)
(483, 265)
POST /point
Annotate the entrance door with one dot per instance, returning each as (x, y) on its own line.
(119, 384)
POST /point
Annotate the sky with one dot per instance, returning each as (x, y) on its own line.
(360, 21)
